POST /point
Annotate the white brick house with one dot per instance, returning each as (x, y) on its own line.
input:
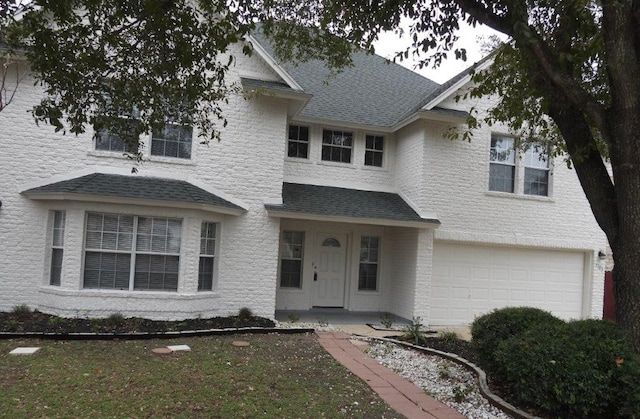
(342, 195)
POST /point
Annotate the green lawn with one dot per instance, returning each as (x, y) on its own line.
(277, 376)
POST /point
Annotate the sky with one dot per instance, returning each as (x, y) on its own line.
(389, 43)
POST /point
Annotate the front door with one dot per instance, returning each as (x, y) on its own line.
(329, 270)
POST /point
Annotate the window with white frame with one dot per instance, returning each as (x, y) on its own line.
(536, 171)
(291, 258)
(106, 140)
(57, 247)
(373, 150)
(298, 142)
(128, 252)
(369, 261)
(173, 140)
(502, 167)
(337, 145)
(206, 270)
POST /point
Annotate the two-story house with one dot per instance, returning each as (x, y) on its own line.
(324, 191)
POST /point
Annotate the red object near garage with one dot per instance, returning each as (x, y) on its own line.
(609, 309)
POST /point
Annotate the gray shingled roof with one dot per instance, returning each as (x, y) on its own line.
(342, 202)
(373, 92)
(138, 187)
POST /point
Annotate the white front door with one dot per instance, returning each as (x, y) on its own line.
(329, 270)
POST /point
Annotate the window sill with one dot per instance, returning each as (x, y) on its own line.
(170, 160)
(291, 290)
(374, 168)
(367, 293)
(298, 160)
(98, 293)
(336, 164)
(519, 196)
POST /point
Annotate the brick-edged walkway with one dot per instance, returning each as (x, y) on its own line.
(402, 395)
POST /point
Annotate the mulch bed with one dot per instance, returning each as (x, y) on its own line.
(36, 321)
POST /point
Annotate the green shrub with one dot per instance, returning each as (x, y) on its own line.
(245, 313)
(386, 319)
(413, 331)
(21, 309)
(567, 369)
(489, 330)
(628, 387)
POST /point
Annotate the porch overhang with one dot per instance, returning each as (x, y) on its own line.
(134, 190)
(342, 205)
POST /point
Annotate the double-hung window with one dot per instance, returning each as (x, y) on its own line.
(206, 269)
(174, 140)
(536, 171)
(127, 122)
(502, 167)
(369, 261)
(57, 247)
(291, 257)
(128, 252)
(337, 146)
(373, 150)
(298, 142)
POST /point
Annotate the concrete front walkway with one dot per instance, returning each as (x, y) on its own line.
(402, 395)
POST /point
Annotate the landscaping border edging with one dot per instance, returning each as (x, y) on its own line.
(480, 375)
(151, 335)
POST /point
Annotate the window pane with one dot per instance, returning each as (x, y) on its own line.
(368, 270)
(536, 182)
(291, 254)
(173, 141)
(56, 267)
(336, 146)
(536, 157)
(205, 274)
(502, 149)
(501, 177)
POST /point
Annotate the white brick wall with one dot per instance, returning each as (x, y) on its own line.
(246, 164)
(435, 175)
(352, 175)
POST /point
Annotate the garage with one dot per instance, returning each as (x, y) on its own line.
(470, 280)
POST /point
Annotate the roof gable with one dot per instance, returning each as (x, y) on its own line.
(374, 91)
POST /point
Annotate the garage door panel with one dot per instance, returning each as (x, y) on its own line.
(471, 280)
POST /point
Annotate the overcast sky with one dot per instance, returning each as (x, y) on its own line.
(389, 43)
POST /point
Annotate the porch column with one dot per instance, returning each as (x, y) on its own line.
(422, 290)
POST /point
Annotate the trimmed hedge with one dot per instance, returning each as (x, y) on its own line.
(489, 330)
(583, 369)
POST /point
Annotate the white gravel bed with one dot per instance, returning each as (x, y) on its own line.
(321, 327)
(440, 378)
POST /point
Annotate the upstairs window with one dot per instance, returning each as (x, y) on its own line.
(373, 150)
(536, 171)
(337, 146)
(173, 140)
(502, 167)
(291, 257)
(57, 247)
(298, 142)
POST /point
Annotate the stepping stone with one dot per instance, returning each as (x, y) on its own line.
(176, 348)
(240, 343)
(24, 351)
(162, 351)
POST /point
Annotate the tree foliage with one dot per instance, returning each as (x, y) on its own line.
(128, 66)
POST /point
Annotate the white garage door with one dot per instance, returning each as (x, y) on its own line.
(472, 280)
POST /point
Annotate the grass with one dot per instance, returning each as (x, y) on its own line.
(282, 376)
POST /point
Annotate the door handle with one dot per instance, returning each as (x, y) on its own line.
(315, 276)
